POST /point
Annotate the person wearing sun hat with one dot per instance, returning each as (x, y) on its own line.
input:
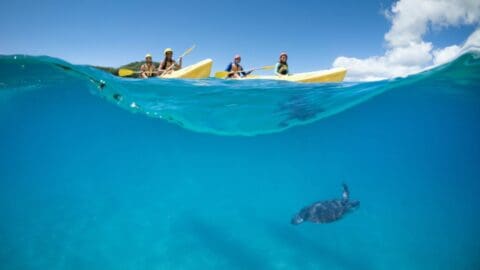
(148, 68)
(166, 65)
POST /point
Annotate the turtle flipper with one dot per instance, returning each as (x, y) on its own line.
(346, 192)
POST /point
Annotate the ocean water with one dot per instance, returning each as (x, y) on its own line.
(98, 172)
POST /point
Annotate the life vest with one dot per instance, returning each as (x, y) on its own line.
(238, 67)
(230, 67)
(282, 68)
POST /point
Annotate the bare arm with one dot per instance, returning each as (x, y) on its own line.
(143, 73)
(180, 62)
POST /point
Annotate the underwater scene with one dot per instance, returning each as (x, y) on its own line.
(102, 172)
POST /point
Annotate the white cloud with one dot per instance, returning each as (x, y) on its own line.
(441, 56)
(407, 52)
(413, 54)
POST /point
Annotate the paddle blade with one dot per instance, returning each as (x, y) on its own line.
(188, 51)
(125, 72)
(221, 74)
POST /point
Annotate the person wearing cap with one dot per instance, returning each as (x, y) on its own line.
(148, 68)
(235, 70)
(166, 65)
(281, 68)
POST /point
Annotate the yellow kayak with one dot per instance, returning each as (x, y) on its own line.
(200, 70)
(322, 76)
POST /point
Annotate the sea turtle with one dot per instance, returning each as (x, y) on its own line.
(327, 211)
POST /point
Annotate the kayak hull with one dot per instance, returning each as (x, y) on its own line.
(200, 70)
(322, 76)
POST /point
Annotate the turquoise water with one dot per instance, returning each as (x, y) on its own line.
(207, 174)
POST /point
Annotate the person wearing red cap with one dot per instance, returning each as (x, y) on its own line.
(235, 70)
(282, 66)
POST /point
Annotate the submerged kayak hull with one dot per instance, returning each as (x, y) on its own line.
(322, 76)
(200, 70)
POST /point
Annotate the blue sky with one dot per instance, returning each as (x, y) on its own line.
(111, 33)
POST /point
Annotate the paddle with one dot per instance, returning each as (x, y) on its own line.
(181, 56)
(123, 72)
(224, 74)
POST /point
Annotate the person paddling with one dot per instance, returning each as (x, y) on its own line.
(282, 67)
(148, 68)
(165, 66)
(235, 70)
